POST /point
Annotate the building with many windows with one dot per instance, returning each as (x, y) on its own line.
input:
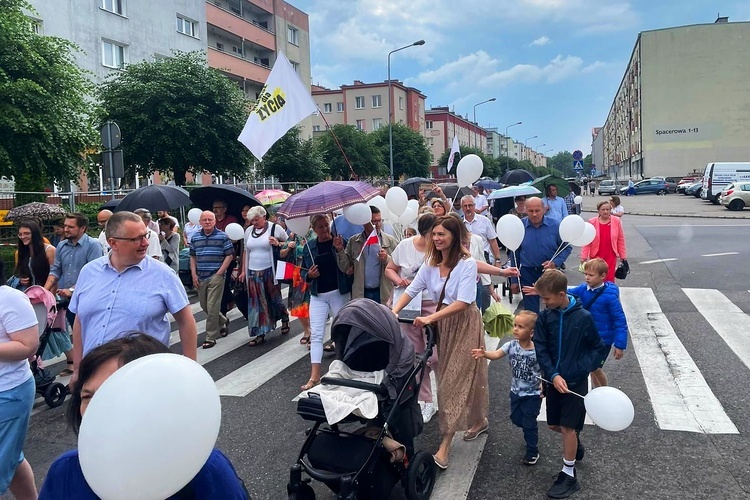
(441, 125)
(681, 104)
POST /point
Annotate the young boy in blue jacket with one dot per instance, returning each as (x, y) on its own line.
(602, 300)
(568, 348)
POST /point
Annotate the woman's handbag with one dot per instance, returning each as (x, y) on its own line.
(622, 270)
(277, 256)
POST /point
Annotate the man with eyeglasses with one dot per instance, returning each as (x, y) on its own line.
(127, 291)
(222, 218)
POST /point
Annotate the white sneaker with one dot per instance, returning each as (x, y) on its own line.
(428, 410)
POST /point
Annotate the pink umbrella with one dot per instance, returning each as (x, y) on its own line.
(272, 196)
(327, 197)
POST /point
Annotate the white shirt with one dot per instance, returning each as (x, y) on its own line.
(476, 249)
(103, 241)
(409, 260)
(480, 202)
(462, 285)
(16, 314)
(190, 230)
(154, 246)
(482, 226)
(258, 251)
(619, 209)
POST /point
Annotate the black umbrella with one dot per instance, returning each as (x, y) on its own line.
(517, 176)
(451, 191)
(575, 188)
(488, 184)
(412, 185)
(111, 204)
(154, 198)
(204, 197)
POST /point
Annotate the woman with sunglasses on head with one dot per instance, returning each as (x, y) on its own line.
(65, 480)
(34, 256)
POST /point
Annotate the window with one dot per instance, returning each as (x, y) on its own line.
(359, 102)
(361, 124)
(292, 35)
(295, 66)
(430, 141)
(400, 102)
(115, 6)
(37, 26)
(187, 27)
(113, 55)
(340, 107)
(428, 124)
(376, 101)
(377, 123)
(316, 128)
(327, 107)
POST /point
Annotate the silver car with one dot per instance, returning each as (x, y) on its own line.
(609, 187)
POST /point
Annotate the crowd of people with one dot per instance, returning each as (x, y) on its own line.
(444, 263)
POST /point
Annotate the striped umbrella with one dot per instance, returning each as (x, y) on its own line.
(327, 197)
(272, 196)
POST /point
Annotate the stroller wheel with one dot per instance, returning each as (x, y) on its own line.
(304, 492)
(55, 394)
(420, 478)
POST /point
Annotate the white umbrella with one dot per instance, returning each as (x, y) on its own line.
(513, 191)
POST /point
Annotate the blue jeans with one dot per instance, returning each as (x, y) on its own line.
(373, 294)
(529, 275)
(523, 413)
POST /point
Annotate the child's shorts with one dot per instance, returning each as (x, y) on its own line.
(567, 410)
(609, 349)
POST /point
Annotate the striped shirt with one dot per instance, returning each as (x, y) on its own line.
(209, 252)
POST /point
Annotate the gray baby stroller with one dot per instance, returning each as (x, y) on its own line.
(362, 465)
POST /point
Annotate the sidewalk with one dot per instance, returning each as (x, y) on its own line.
(671, 205)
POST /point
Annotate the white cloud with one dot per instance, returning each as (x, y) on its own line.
(542, 40)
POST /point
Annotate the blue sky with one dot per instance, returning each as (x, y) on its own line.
(555, 65)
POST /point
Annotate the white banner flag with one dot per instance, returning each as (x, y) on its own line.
(283, 103)
(454, 149)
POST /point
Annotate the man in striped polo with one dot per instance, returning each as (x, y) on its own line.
(211, 252)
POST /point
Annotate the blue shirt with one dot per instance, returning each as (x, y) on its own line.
(70, 259)
(109, 303)
(209, 251)
(541, 243)
(217, 480)
(557, 208)
(525, 369)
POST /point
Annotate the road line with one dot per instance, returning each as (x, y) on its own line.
(656, 261)
(725, 318)
(680, 396)
(720, 254)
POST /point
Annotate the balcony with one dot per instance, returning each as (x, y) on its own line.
(240, 27)
(238, 66)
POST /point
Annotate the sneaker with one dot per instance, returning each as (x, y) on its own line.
(564, 486)
(580, 450)
(530, 459)
(428, 410)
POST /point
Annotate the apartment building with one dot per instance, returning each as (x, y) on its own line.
(441, 125)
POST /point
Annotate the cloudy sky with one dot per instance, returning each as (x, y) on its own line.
(555, 65)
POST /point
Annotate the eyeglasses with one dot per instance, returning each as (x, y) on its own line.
(135, 240)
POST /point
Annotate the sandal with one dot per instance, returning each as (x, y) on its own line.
(257, 341)
(330, 347)
(305, 339)
(208, 344)
(309, 385)
(284, 327)
(67, 371)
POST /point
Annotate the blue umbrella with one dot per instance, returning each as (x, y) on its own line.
(513, 191)
(489, 184)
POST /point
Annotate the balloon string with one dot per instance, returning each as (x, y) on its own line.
(550, 383)
(560, 250)
(518, 265)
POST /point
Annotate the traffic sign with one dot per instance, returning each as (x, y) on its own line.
(578, 165)
(577, 155)
(593, 171)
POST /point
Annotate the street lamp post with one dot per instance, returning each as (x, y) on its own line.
(507, 143)
(475, 116)
(390, 105)
(527, 140)
(535, 150)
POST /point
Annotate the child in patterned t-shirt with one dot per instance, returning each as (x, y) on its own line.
(525, 385)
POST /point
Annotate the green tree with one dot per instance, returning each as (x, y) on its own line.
(492, 166)
(411, 158)
(177, 115)
(45, 126)
(563, 163)
(293, 159)
(366, 159)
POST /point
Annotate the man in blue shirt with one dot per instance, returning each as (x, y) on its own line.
(554, 205)
(540, 242)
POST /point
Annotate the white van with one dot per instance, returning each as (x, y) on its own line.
(717, 176)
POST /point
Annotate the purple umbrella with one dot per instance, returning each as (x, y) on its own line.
(327, 197)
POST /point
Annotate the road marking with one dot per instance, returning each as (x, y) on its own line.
(655, 261)
(726, 318)
(720, 254)
(680, 396)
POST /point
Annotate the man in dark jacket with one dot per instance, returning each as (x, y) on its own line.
(568, 348)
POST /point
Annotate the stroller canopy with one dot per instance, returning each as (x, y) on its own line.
(363, 322)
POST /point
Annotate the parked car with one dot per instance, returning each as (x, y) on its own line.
(718, 175)
(736, 196)
(655, 186)
(608, 187)
(686, 182)
(694, 189)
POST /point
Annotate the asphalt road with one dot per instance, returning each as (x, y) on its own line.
(262, 434)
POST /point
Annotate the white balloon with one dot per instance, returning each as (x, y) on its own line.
(390, 216)
(571, 227)
(469, 170)
(511, 231)
(379, 202)
(358, 214)
(414, 205)
(396, 200)
(589, 233)
(578, 200)
(609, 408)
(235, 231)
(298, 226)
(407, 217)
(194, 215)
(150, 428)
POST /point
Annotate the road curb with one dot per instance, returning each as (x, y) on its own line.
(687, 216)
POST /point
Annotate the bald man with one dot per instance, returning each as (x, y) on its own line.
(211, 251)
(102, 217)
(540, 242)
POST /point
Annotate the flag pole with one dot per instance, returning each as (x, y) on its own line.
(336, 140)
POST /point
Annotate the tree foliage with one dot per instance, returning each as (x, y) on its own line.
(366, 159)
(177, 115)
(45, 128)
(293, 159)
(492, 166)
(411, 158)
(563, 163)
